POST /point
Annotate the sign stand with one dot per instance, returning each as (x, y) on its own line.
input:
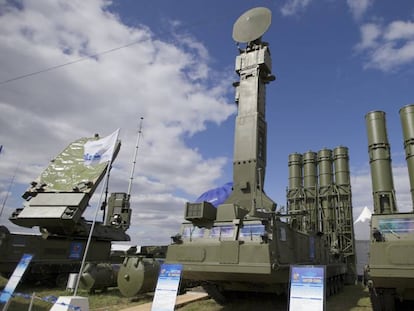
(14, 280)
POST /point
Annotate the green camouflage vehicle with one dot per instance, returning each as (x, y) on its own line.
(55, 202)
(390, 271)
(245, 244)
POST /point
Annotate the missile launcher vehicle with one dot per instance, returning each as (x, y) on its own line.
(245, 244)
(55, 202)
(390, 270)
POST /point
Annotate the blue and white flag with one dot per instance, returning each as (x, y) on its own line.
(101, 150)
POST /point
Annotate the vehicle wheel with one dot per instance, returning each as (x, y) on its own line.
(328, 288)
(382, 299)
(221, 297)
(337, 283)
(375, 300)
(62, 280)
(388, 300)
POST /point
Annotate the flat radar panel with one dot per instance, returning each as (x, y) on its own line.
(252, 24)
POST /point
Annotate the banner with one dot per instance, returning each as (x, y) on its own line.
(101, 150)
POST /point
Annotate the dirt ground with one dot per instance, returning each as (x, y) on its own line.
(351, 298)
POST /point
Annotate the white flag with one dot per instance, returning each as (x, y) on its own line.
(101, 150)
(365, 215)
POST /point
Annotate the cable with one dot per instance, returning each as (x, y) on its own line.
(192, 25)
(68, 63)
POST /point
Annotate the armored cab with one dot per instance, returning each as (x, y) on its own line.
(389, 274)
(244, 244)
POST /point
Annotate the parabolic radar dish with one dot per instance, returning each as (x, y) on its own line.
(252, 24)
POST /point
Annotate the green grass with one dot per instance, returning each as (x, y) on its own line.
(111, 300)
(351, 298)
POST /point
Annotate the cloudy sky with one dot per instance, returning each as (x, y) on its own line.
(70, 69)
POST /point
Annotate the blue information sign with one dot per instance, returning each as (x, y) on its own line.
(307, 288)
(167, 287)
(15, 278)
(75, 251)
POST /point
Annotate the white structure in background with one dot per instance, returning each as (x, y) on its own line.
(365, 215)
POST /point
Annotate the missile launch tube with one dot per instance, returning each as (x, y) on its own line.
(407, 122)
(310, 186)
(380, 162)
(295, 190)
(341, 165)
(344, 226)
(326, 189)
(325, 168)
(309, 171)
(295, 171)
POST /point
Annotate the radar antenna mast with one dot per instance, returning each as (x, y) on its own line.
(134, 159)
(254, 66)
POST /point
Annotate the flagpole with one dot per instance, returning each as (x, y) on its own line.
(91, 232)
(108, 168)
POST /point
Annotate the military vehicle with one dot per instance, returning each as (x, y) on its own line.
(55, 202)
(55, 257)
(245, 244)
(138, 273)
(389, 274)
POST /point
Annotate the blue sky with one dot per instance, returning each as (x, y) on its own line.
(172, 62)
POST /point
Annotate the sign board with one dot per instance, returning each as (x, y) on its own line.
(307, 288)
(15, 278)
(167, 287)
(76, 250)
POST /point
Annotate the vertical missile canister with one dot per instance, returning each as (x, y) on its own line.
(295, 190)
(341, 165)
(344, 222)
(310, 183)
(310, 178)
(407, 123)
(295, 172)
(343, 187)
(325, 168)
(326, 190)
(380, 162)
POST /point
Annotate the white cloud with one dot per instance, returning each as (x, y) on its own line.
(170, 85)
(369, 36)
(359, 7)
(387, 48)
(399, 30)
(293, 7)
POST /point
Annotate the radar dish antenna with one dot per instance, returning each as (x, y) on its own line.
(252, 24)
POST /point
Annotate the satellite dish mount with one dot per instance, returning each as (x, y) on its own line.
(251, 25)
